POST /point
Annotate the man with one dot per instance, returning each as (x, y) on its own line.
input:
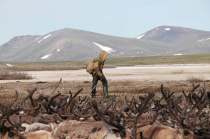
(98, 74)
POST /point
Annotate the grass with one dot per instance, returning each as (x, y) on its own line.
(110, 62)
(42, 68)
(118, 88)
(194, 79)
(183, 59)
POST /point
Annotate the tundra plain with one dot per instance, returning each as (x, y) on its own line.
(126, 84)
(122, 81)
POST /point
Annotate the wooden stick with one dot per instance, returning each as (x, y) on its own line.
(93, 89)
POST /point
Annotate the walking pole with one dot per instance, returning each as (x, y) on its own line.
(93, 89)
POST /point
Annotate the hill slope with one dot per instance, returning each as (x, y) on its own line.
(71, 44)
(199, 47)
(172, 35)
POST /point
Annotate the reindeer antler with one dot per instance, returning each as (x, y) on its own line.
(110, 122)
(66, 110)
(30, 95)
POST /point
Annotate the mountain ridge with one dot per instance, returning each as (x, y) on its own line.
(72, 44)
(174, 35)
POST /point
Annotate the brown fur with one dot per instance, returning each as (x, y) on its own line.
(94, 130)
(165, 132)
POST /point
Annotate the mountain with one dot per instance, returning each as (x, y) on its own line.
(16, 46)
(72, 44)
(178, 36)
(199, 47)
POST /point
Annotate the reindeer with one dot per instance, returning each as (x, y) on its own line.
(65, 116)
(182, 116)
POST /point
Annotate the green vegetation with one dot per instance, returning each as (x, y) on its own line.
(42, 66)
(116, 61)
(182, 59)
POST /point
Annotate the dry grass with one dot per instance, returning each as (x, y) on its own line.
(44, 67)
(194, 79)
(6, 75)
(118, 88)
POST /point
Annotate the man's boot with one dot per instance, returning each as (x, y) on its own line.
(105, 89)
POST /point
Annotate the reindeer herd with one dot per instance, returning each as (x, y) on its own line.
(184, 116)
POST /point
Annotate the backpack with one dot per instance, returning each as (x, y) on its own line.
(89, 67)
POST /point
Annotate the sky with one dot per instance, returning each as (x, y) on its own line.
(123, 18)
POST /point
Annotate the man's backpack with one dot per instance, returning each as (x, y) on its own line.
(90, 66)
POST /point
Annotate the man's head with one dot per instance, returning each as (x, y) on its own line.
(103, 56)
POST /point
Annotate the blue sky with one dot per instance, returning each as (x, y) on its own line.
(125, 18)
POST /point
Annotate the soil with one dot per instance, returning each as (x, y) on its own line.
(122, 81)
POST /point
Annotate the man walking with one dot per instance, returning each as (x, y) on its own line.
(95, 68)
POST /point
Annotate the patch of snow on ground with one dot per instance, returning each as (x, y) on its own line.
(58, 50)
(167, 29)
(46, 56)
(105, 48)
(157, 28)
(177, 54)
(9, 65)
(203, 40)
(139, 37)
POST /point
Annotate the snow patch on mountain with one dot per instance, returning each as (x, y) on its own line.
(105, 48)
(46, 56)
(167, 29)
(139, 37)
(47, 36)
(44, 38)
(203, 40)
(177, 54)
(39, 41)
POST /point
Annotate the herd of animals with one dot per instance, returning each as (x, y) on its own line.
(59, 116)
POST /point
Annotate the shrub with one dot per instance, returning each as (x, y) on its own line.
(194, 79)
(6, 75)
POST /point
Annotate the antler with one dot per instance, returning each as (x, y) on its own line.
(70, 101)
(10, 113)
(180, 115)
(50, 102)
(110, 122)
(165, 95)
(30, 95)
(56, 86)
(141, 108)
